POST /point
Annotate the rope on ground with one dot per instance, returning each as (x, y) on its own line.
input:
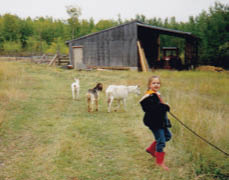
(198, 135)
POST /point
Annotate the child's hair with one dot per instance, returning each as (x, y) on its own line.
(150, 80)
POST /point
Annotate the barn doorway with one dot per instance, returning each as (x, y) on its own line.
(150, 43)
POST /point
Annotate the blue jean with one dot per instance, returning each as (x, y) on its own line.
(161, 136)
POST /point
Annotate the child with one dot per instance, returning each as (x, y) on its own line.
(156, 119)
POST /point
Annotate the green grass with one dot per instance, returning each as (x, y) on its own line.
(45, 135)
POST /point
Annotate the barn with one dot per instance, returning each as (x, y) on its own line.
(118, 46)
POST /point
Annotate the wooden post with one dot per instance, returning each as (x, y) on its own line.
(143, 60)
(158, 48)
(53, 61)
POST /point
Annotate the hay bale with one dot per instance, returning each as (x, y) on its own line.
(210, 68)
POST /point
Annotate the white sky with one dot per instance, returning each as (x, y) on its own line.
(108, 9)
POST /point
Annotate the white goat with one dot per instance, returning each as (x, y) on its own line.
(120, 93)
(75, 89)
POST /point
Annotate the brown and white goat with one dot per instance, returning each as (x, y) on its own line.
(93, 96)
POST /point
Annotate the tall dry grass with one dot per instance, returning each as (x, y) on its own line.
(10, 81)
(201, 101)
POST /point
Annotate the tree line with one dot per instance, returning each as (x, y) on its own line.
(47, 35)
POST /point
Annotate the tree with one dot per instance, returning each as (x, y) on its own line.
(105, 24)
(10, 27)
(35, 46)
(224, 55)
(1, 34)
(74, 12)
(11, 47)
(119, 19)
(26, 30)
(58, 46)
(140, 17)
(213, 29)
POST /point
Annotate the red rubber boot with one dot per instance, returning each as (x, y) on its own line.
(152, 149)
(160, 160)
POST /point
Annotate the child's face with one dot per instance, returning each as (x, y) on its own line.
(155, 84)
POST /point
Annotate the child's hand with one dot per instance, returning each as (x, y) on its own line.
(168, 106)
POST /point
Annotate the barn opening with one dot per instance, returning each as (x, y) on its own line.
(151, 40)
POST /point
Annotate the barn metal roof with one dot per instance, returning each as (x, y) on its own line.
(166, 30)
(92, 34)
(160, 30)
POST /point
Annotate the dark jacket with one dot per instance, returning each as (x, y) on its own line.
(155, 112)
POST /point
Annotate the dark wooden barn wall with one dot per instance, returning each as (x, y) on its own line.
(113, 47)
(191, 51)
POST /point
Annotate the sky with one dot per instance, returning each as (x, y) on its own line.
(108, 9)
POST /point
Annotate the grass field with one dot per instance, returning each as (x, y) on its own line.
(45, 135)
